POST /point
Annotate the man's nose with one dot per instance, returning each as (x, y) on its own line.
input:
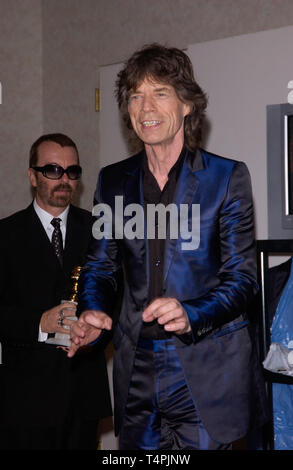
(148, 103)
(64, 177)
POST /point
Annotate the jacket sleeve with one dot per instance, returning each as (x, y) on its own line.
(238, 272)
(99, 280)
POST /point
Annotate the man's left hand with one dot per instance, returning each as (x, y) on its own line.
(169, 313)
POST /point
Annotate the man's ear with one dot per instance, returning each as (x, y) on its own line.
(32, 177)
(188, 108)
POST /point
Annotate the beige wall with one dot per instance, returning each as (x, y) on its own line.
(81, 36)
(51, 50)
(21, 114)
(244, 75)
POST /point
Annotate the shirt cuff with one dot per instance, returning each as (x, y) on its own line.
(42, 336)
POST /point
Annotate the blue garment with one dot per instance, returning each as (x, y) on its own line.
(160, 412)
(282, 333)
(214, 282)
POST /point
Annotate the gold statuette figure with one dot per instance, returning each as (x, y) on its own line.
(63, 339)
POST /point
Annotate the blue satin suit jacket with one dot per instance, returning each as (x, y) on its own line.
(214, 282)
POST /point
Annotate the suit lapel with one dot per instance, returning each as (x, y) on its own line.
(39, 239)
(187, 187)
(72, 239)
(133, 194)
(133, 183)
(78, 230)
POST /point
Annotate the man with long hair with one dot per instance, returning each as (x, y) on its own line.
(186, 375)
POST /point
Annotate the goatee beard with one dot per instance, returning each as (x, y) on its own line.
(64, 199)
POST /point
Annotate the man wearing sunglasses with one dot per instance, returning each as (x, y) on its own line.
(41, 386)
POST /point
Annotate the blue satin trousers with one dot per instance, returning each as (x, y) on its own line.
(160, 412)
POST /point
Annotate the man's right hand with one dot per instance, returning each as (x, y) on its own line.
(49, 319)
(87, 329)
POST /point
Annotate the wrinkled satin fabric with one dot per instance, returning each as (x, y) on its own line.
(214, 283)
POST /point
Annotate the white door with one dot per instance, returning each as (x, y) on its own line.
(113, 145)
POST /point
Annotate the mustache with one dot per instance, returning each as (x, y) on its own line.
(62, 187)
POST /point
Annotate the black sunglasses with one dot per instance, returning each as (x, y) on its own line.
(55, 172)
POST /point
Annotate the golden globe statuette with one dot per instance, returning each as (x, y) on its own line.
(75, 277)
(63, 339)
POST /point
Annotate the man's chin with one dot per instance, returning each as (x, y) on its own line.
(61, 201)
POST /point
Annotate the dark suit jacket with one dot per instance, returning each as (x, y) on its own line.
(40, 385)
(214, 283)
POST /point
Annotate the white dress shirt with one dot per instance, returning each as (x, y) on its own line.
(46, 218)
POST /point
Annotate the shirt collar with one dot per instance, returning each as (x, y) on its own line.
(46, 218)
(176, 168)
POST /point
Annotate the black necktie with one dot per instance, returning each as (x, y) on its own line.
(57, 239)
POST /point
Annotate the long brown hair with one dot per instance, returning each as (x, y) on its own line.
(165, 65)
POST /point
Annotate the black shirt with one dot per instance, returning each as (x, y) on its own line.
(152, 194)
